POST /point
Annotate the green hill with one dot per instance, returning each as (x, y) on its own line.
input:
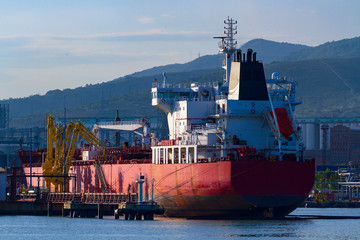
(201, 63)
(268, 51)
(328, 87)
(98, 100)
(346, 48)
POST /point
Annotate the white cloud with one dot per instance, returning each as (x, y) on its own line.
(110, 45)
(146, 20)
(35, 64)
(118, 36)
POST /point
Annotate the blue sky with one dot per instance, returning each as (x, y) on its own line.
(46, 45)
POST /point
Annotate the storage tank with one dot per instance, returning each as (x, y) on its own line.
(310, 136)
(2, 184)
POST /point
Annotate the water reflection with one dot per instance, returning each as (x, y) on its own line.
(31, 227)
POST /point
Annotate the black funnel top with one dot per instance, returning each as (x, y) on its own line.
(247, 80)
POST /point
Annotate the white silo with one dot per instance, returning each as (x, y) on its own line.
(2, 184)
(310, 136)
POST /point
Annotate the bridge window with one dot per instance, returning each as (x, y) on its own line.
(204, 94)
(184, 94)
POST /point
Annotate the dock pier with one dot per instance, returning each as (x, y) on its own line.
(74, 210)
(88, 205)
(138, 211)
(67, 204)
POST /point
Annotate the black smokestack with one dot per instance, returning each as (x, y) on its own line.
(238, 55)
(249, 53)
(117, 119)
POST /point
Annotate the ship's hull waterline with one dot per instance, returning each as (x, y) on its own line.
(216, 189)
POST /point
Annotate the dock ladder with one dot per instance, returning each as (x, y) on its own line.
(100, 173)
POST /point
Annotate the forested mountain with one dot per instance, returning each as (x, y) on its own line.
(269, 51)
(327, 83)
(346, 48)
(327, 87)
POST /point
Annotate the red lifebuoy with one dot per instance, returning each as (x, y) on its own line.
(252, 111)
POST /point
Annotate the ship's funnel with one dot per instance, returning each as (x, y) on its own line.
(249, 53)
(247, 79)
(238, 56)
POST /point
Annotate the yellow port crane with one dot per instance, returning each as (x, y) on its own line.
(57, 144)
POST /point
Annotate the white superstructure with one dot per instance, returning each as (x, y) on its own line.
(230, 118)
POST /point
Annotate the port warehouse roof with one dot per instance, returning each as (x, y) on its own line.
(327, 120)
(155, 120)
(92, 121)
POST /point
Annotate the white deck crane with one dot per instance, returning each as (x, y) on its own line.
(131, 125)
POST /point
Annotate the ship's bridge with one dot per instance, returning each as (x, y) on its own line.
(164, 95)
(167, 94)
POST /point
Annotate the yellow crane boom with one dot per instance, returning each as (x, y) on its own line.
(57, 144)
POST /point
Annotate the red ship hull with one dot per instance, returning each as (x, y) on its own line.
(252, 188)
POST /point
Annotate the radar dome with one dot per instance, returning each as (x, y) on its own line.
(274, 75)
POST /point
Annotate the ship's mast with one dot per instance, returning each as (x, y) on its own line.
(228, 45)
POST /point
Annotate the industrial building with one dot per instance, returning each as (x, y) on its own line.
(331, 141)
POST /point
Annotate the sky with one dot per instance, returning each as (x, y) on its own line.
(47, 45)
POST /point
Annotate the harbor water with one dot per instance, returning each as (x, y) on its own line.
(35, 227)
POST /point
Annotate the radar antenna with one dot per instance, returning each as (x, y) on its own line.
(227, 45)
(230, 32)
